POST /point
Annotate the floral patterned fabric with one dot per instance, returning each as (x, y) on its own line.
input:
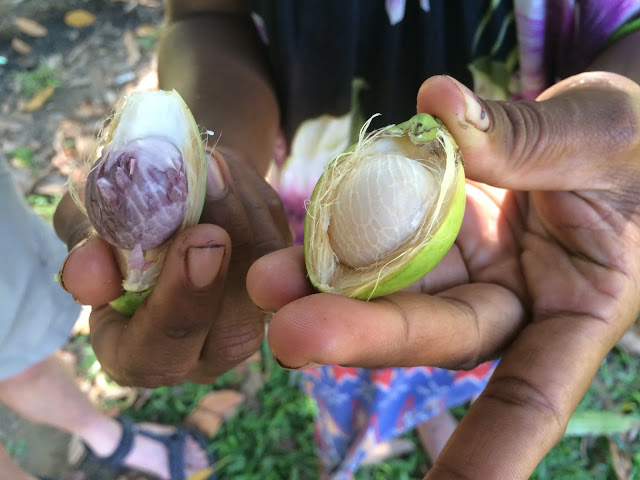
(337, 63)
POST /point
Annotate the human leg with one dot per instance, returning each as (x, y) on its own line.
(10, 469)
(435, 432)
(46, 393)
(36, 319)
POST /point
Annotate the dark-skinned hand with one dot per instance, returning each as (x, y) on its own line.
(545, 271)
(198, 322)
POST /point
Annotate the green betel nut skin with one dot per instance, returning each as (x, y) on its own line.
(386, 211)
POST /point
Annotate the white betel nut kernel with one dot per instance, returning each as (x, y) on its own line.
(378, 206)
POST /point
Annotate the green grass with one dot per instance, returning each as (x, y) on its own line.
(409, 467)
(30, 82)
(616, 388)
(148, 42)
(271, 436)
(23, 157)
(44, 205)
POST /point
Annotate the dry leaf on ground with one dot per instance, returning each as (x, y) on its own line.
(81, 326)
(52, 185)
(20, 46)
(30, 27)
(223, 402)
(205, 421)
(150, 3)
(621, 461)
(131, 46)
(146, 30)
(79, 18)
(203, 474)
(39, 99)
(384, 451)
(214, 408)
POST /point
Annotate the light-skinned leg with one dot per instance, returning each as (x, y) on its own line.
(47, 393)
(435, 433)
(10, 469)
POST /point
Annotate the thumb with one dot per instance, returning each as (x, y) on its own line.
(575, 136)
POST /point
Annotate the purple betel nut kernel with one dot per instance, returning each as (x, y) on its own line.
(135, 195)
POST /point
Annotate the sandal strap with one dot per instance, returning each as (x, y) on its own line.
(116, 459)
(174, 443)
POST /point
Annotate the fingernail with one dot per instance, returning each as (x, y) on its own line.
(203, 264)
(474, 113)
(215, 181)
(78, 245)
(303, 367)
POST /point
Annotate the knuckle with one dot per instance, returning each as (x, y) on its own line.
(238, 228)
(515, 391)
(273, 200)
(468, 352)
(204, 377)
(528, 128)
(240, 340)
(470, 349)
(540, 129)
(146, 376)
(176, 323)
(183, 329)
(269, 245)
(617, 127)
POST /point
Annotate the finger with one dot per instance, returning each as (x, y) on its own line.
(543, 145)
(281, 277)
(448, 273)
(243, 212)
(266, 234)
(223, 206)
(485, 251)
(489, 239)
(403, 329)
(90, 273)
(524, 409)
(278, 278)
(162, 342)
(274, 204)
(240, 209)
(71, 224)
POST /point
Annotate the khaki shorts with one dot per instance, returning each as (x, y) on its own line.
(36, 314)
